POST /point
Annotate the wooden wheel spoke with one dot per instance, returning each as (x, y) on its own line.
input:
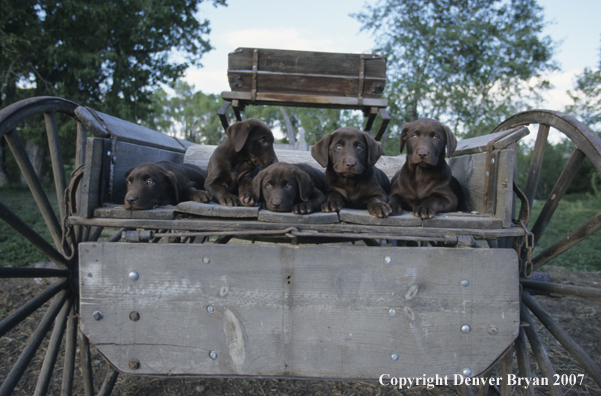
(28, 233)
(567, 242)
(28, 308)
(70, 348)
(562, 184)
(32, 346)
(53, 349)
(109, 382)
(537, 162)
(539, 351)
(588, 364)
(521, 351)
(56, 157)
(565, 290)
(35, 186)
(85, 360)
(10, 272)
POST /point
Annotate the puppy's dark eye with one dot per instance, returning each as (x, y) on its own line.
(149, 182)
(128, 183)
(360, 148)
(263, 141)
(288, 186)
(338, 147)
(435, 137)
(268, 185)
(414, 136)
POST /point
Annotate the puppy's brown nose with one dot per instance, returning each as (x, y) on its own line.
(276, 203)
(131, 199)
(350, 164)
(422, 153)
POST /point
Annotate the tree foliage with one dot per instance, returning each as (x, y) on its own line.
(468, 63)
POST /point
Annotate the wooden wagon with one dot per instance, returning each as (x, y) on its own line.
(343, 296)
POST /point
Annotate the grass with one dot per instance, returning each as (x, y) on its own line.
(573, 211)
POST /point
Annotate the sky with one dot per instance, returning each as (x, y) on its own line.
(326, 25)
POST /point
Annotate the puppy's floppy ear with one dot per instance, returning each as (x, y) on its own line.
(305, 184)
(238, 133)
(374, 149)
(404, 133)
(174, 183)
(321, 150)
(258, 185)
(451, 141)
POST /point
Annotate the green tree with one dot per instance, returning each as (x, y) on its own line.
(468, 63)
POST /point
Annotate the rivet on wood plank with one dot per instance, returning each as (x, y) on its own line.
(467, 372)
(387, 259)
(206, 259)
(213, 355)
(133, 276)
(465, 283)
(135, 316)
(97, 315)
(394, 356)
(492, 329)
(134, 364)
(210, 309)
(392, 311)
(466, 328)
(108, 153)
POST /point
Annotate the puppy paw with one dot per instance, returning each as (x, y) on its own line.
(247, 200)
(423, 212)
(332, 206)
(201, 196)
(229, 200)
(302, 208)
(397, 210)
(379, 209)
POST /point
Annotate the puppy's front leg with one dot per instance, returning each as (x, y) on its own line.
(378, 207)
(433, 205)
(312, 204)
(245, 188)
(396, 205)
(334, 203)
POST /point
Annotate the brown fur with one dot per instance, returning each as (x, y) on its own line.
(425, 184)
(290, 187)
(164, 183)
(352, 180)
(247, 148)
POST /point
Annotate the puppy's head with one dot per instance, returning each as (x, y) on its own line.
(348, 151)
(426, 140)
(254, 139)
(150, 185)
(281, 185)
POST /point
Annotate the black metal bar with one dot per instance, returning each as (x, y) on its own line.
(53, 348)
(536, 163)
(576, 236)
(117, 236)
(506, 369)
(539, 351)
(588, 364)
(94, 235)
(70, 349)
(109, 383)
(35, 186)
(85, 360)
(559, 190)
(222, 116)
(26, 272)
(385, 120)
(33, 344)
(566, 290)
(30, 306)
(521, 352)
(56, 157)
(36, 240)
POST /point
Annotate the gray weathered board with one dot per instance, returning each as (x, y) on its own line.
(335, 312)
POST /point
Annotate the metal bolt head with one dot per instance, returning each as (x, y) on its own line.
(466, 328)
(394, 356)
(387, 259)
(493, 330)
(108, 153)
(97, 315)
(134, 364)
(206, 259)
(465, 283)
(210, 309)
(133, 276)
(135, 316)
(392, 311)
(213, 355)
(467, 372)
(492, 160)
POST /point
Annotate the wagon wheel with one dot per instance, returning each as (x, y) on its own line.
(62, 294)
(587, 145)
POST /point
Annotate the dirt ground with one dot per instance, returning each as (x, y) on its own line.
(580, 318)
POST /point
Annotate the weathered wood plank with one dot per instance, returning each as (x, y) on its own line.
(119, 212)
(358, 216)
(280, 99)
(90, 183)
(291, 218)
(479, 144)
(215, 210)
(328, 312)
(441, 220)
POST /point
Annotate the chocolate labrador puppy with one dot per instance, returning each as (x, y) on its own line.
(290, 187)
(352, 180)
(247, 148)
(424, 184)
(164, 183)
